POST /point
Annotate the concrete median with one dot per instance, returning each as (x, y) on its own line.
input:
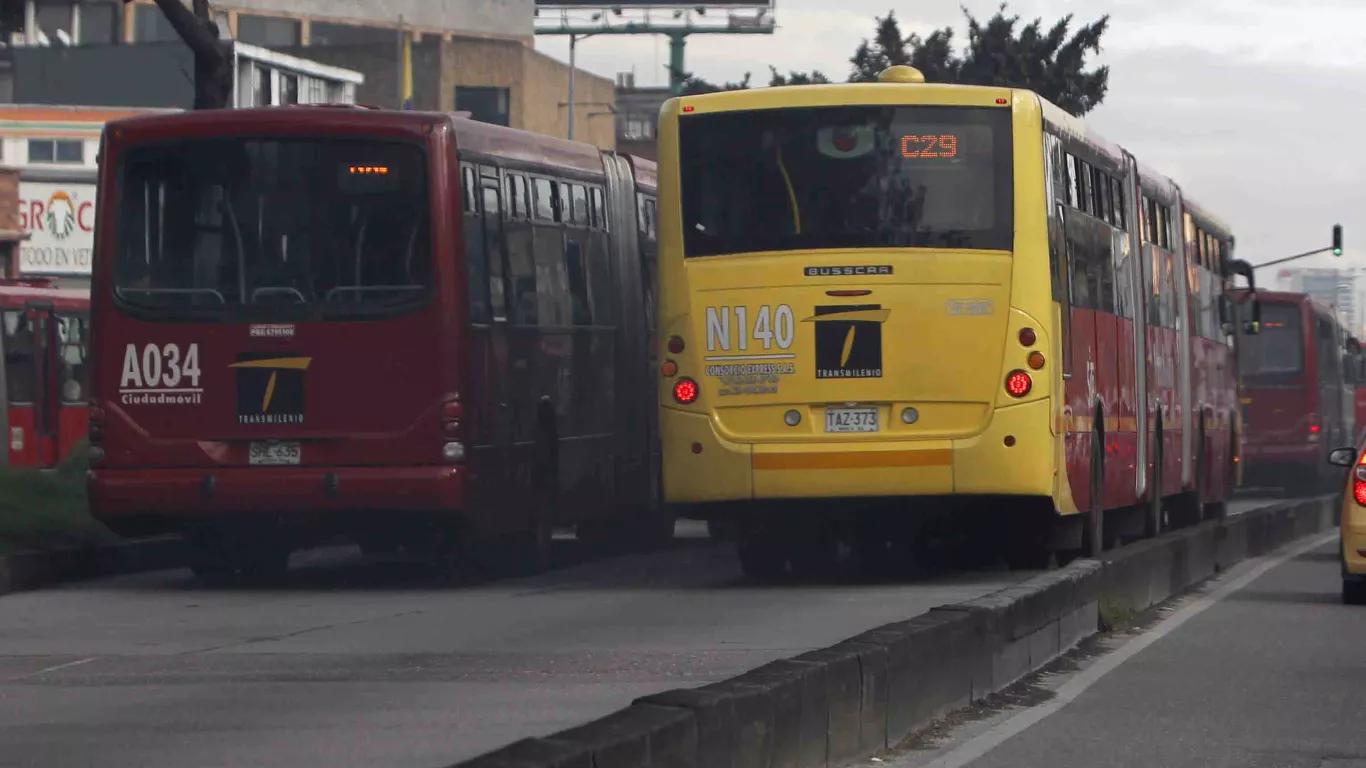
(28, 570)
(834, 705)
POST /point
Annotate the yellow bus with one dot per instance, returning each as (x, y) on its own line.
(886, 305)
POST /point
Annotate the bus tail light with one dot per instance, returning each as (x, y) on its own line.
(1018, 384)
(95, 434)
(1359, 482)
(1027, 337)
(451, 415)
(676, 345)
(669, 369)
(685, 391)
(1036, 360)
(1314, 428)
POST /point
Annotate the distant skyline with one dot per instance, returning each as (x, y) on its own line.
(1219, 94)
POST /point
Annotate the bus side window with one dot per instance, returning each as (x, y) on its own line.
(19, 357)
(476, 262)
(1062, 280)
(496, 302)
(73, 353)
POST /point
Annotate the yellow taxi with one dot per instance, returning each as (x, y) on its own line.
(1353, 531)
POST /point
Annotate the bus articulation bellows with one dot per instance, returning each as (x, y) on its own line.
(882, 304)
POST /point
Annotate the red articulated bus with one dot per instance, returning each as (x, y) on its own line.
(410, 329)
(43, 380)
(1299, 396)
(1145, 276)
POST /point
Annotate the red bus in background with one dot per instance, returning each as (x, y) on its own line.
(43, 333)
(1356, 371)
(1299, 395)
(410, 329)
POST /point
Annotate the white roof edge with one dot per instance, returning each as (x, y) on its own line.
(298, 63)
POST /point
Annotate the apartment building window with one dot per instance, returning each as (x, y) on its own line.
(56, 151)
(261, 91)
(289, 88)
(151, 26)
(325, 33)
(638, 129)
(99, 22)
(485, 104)
(54, 16)
(268, 31)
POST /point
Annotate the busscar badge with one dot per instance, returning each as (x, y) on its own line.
(270, 387)
(849, 341)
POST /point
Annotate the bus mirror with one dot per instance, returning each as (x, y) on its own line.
(1254, 325)
(1343, 457)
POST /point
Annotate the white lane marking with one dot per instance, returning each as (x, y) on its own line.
(67, 665)
(980, 745)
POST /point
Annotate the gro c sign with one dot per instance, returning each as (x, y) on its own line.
(60, 221)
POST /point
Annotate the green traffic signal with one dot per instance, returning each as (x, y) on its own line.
(1337, 239)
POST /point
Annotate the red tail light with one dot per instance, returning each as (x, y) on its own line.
(685, 391)
(1018, 384)
(1313, 426)
(1359, 482)
(676, 345)
(1027, 337)
(452, 410)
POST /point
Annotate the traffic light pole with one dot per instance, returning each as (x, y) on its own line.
(1335, 249)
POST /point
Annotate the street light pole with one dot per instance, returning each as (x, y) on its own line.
(573, 68)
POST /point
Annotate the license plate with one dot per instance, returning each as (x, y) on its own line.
(274, 454)
(851, 420)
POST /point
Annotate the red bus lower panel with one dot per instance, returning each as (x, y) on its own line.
(246, 491)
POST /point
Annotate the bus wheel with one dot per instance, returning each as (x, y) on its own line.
(1190, 509)
(531, 546)
(814, 549)
(1152, 521)
(1093, 530)
(265, 565)
(761, 550)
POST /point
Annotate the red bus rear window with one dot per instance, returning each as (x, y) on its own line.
(265, 228)
(1275, 356)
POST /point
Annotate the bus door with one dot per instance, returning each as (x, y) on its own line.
(1139, 298)
(1181, 273)
(30, 404)
(70, 352)
(501, 409)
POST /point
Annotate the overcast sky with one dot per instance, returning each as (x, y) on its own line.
(1256, 108)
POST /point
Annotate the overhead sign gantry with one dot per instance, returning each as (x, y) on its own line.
(676, 20)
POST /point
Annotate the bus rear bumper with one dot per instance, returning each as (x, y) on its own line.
(281, 492)
(1013, 456)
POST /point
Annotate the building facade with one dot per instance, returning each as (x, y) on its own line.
(47, 188)
(637, 118)
(1341, 288)
(467, 55)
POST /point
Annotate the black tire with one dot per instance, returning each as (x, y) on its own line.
(530, 550)
(1353, 592)
(1152, 517)
(761, 553)
(266, 566)
(1093, 528)
(814, 552)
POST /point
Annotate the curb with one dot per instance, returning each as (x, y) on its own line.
(834, 705)
(35, 569)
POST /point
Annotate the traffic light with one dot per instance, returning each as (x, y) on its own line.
(1337, 239)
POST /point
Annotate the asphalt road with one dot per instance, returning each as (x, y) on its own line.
(363, 662)
(1269, 673)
